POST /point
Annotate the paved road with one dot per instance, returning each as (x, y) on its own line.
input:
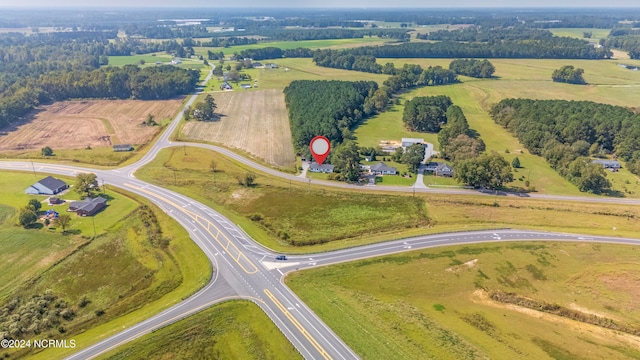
(245, 269)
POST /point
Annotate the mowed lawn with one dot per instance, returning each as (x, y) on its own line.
(253, 121)
(435, 303)
(608, 83)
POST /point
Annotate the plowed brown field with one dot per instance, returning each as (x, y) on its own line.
(255, 121)
(78, 124)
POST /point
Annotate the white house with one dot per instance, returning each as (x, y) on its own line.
(382, 169)
(324, 168)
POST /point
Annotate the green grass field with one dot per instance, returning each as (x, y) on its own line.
(231, 330)
(433, 303)
(578, 33)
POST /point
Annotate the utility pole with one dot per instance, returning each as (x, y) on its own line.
(184, 147)
(175, 177)
(34, 169)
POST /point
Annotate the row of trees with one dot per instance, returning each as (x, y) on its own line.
(472, 67)
(490, 35)
(457, 141)
(568, 74)
(626, 39)
(552, 48)
(566, 133)
(328, 108)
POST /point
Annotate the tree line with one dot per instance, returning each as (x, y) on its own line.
(566, 133)
(328, 108)
(624, 38)
(552, 48)
(490, 35)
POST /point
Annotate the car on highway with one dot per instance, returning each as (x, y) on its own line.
(281, 257)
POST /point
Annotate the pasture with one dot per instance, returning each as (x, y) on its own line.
(81, 124)
(434, 303)
(526, 78)
(253, 121)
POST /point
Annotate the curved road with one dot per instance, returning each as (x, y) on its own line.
(245, 269)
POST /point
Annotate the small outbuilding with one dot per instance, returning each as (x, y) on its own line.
(122, 147)
(47, 186)
(608, 164)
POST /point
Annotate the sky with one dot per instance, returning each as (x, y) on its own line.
(324, 3)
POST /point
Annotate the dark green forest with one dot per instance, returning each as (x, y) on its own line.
(472, 67)
(566, 133)
(328, 108)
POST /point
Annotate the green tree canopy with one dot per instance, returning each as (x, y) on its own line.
(35, 204)
(86, 184)
(413, 157)
(489, 171)
(27, 217)
(568, 74)
(346, 160)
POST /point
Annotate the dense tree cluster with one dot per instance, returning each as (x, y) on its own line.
(566, 132)
(472, 67)
(426, 113)
(347, 61)
(204, 110)
(491, 35)
(568, 74)
(22, 318)
(489, 170)
(552, 48)
(262, 53)
(457, 141)
(626, 39)
(328, 108)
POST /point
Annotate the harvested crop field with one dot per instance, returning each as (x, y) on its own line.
(255, 121)
(82, 123)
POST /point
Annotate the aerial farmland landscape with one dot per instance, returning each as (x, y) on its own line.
(475, 193)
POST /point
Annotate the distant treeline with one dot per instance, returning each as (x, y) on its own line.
(328, 108)
(479, 34)
(566, 132)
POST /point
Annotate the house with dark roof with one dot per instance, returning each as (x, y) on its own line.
(430, 166)
(47, 186)
(382, 169)
(324, 168)
(55, 201)
(443, 170)
(88, 206)
(608, 164)
(226, 86)
(122, 147)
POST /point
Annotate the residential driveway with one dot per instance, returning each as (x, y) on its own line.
(305, 166)
(419, 184)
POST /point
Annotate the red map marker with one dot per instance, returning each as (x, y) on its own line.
(320, 147)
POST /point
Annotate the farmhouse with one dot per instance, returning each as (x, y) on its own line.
(88, 206)
(382, 169)
(122, 147)
(226, 86)
(256, 64)
(443, 170)
(430, 166)
(176, 61)
(608, 164)
(324, 168)
(406, 142)
(47, 186)
(270, 66)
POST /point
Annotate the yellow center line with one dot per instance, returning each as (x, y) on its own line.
(241, 259)
(295, 322)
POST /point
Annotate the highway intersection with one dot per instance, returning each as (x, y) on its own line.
(245, 269)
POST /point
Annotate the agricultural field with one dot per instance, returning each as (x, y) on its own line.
(441, 303)
(608, 83)
(253, 121)
(87, 124)
(596, 34)
(231, 330)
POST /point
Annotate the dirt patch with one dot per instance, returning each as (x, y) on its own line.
(480, 296)
(81, 123)
(255, 121)
(469, 264)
